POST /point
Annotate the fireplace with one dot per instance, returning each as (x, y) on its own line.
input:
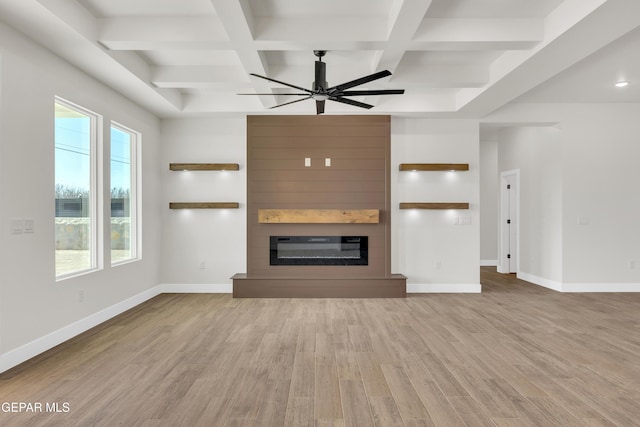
(319, 250)
(310, 232)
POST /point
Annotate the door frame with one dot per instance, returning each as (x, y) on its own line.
(503, 237)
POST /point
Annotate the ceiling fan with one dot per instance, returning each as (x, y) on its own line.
(320, 92)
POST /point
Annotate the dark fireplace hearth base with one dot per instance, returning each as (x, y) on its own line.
(394, 286)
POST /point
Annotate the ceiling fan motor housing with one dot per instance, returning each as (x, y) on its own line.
(320, 84)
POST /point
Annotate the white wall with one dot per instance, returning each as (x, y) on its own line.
(536, 153)
(214, 237)
(601, 148)
(581, 199)
(427, 246)
(489, 213)
(34, 307)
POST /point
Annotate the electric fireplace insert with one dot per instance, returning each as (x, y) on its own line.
(319, 250)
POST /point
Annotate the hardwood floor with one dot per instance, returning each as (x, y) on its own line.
(515, 355)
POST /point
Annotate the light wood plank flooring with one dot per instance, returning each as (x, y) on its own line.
(515, 355)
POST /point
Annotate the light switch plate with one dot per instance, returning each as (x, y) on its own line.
(307, 162)
(17, 226)
(583, 220)
(29, 225)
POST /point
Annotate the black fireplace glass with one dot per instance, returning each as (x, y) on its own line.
(319, 250)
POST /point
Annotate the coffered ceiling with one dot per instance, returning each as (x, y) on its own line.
(454, 58)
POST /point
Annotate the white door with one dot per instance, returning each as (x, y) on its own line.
(509, 218)
(512, 224)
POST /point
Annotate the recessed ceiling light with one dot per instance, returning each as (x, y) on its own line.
(622, 84)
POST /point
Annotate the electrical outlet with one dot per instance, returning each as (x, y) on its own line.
(632, 265)
(438, 265)
(80, 295)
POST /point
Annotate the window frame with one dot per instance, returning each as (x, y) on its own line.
(95, 189)
(134, 195)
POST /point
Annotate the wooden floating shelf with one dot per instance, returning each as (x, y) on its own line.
(318, 216)
(204, 205)
(438, 167)
(204, 166)
(445, 205)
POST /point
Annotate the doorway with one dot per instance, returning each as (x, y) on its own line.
(509, 221)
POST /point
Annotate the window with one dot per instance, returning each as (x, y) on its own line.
(124, 194)
(76, 189)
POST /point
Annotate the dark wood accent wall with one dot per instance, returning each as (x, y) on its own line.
(358, 179)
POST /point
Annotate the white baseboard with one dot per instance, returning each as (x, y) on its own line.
(177, 288)
(488, 263)
(580, 287)
(444, 288)
(540, 281)
(47, 342)
(601, 287)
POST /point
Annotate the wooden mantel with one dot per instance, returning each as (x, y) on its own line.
(318, 216)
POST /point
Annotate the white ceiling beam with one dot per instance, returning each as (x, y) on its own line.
(223, 77)
(373, 45)
(238, 22)
(75, 16)
(149, 33)
(320, 44)
(70, 31)
(480, 30)
(404, 21)
(426, 76)
(328, 29)
(471, 45)
(442, 76)
(570, 37)
(303, 75)
(423, 105)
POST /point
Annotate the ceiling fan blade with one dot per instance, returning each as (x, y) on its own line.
(360, 81)
(319, 107)
(351, 102)
(279, 94)
(282, 83)
(371, 92)
(291, 102)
